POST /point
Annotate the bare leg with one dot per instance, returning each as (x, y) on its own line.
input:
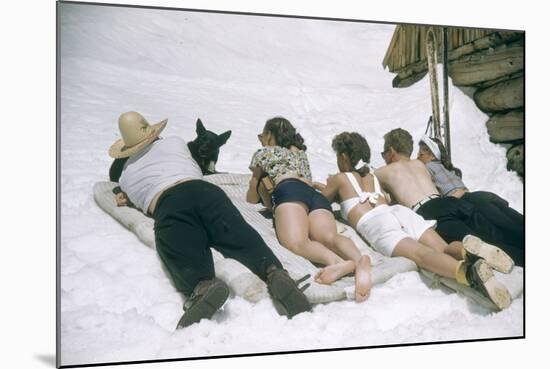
(363, 281)
(434, 241)
(427, 258)
(334, 272)
(292, 226)
(455, 249)
(322, 228)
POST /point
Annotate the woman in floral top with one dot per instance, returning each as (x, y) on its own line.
(304, 222)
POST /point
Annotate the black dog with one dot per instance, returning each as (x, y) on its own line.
(204, 149)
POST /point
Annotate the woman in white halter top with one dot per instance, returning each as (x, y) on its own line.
(391, 230)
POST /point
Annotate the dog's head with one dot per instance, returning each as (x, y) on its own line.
(206, 147)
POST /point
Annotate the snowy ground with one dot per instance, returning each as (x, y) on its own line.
(234, 72)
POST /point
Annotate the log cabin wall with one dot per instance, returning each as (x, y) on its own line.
(492, 62)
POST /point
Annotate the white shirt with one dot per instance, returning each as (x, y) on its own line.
(154, 168)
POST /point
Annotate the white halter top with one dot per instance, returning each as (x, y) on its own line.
(362, 196)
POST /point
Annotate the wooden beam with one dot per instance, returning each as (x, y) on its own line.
(507, 127)
(503, 96)
(493, 82)
(419, 67)
(491, 40)
(487, 65)
(399, 82)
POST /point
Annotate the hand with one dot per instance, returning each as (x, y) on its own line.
(319, 186)
(122, 199)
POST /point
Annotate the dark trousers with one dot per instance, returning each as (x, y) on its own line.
(452, 215)
(507, 227)
(457, 218)
(196, 215)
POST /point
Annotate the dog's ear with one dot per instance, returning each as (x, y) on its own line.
(224, 137)
(200, 127)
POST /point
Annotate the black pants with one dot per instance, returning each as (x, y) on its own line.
(457, 218)
(452, 217)
(507, 228)
(196, 215)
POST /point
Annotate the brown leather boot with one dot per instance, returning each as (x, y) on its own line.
(207, 298)
(288, 298)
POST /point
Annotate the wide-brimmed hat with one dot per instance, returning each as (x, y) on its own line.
(136, 134)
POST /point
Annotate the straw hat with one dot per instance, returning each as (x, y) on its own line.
(136, 134)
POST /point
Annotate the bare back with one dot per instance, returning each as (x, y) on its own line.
(407, 181)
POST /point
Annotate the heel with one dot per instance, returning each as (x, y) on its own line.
(497, 259)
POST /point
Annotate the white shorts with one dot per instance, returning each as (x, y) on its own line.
(384, 226)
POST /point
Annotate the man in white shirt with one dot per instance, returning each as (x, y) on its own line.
(191, 215)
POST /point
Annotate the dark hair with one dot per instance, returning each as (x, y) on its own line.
(444, 156)
(284, 132)
(400, 140)
(356, 147)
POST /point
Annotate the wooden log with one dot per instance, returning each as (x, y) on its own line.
(507, 127)
(398, 82)
(515, 156)
(487, 65)
(507, 95)
(487, 84)
(419, 67)
(491, 40)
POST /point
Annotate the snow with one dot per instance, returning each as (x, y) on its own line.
(234, 72)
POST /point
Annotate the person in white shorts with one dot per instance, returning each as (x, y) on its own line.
(395, 230)
(385, 226)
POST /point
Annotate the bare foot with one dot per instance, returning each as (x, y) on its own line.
(334, 272)
(363, 281)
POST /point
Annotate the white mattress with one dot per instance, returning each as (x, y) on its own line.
(247, 285)
(241, 281)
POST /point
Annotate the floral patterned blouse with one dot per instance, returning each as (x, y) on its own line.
(278, 161)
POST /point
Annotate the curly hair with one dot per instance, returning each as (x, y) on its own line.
(284, 132)
(400, 140)
(355, 147)
(444, 156)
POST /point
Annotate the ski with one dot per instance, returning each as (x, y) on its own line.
(431, 55)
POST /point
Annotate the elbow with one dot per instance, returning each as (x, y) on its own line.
(251, 197)
(329, 196)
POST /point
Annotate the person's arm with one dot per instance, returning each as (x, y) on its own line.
(431, 167)
(264, 190)
(331, 189)
(380, 174)
(115, 171)
(319, 186)
(121, 198)
(252, 195)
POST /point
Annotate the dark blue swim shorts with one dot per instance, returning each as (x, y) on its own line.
(294, 190)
